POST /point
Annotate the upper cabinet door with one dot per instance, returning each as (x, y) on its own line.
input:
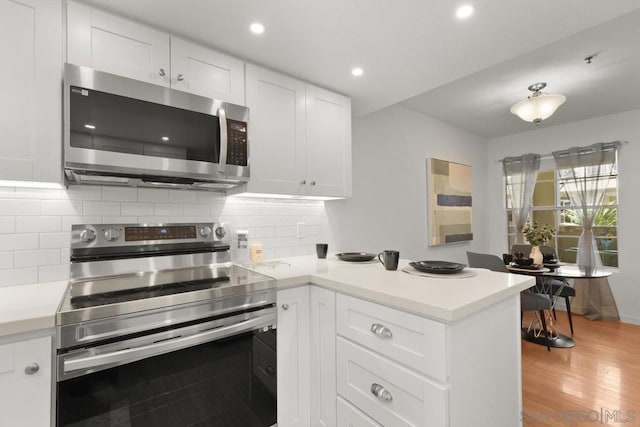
(108, 43)
(205, 72)
(328, 143)
(276, 132)
(31, 106)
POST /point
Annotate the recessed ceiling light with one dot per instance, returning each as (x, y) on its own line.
(90, 126)
(165, 138)
(357, 71)
(464, 11)
(256, 28)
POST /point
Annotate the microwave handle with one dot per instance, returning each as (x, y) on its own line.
(224, 141)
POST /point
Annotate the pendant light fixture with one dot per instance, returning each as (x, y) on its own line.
(539, 105)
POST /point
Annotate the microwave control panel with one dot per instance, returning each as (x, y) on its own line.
(237, 152)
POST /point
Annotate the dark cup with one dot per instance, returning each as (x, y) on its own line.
(321, 250)
(389, 259)
(507, 258)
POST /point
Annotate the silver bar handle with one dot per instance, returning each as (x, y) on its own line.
(224, 141)
(381, 330)
(381, 393)
(142, 352)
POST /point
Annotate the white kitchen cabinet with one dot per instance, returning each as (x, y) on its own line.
(293, 364)
(31, 107)
(323, 356)
(116, 45)
(25, 383)
(205, 72)
(105, 42)
(300, 137)
(328, 143)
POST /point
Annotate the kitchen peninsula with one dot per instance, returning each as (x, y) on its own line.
(376, 347)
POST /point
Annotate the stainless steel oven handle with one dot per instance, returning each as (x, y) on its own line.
(142, 352)
(224, 141)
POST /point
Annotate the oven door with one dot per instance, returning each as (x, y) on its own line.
(122, 126)
(216, 373)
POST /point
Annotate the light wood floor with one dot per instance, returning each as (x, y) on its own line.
(587, 384)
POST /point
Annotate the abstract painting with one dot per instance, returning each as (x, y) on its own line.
(449, 202)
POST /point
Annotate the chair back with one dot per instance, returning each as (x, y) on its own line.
(488, 261)
(521, 247)
(548, 250)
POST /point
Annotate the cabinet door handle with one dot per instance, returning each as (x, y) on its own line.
(161, 72)
(180, 77)
(313, 183)
(381, 330)
(381, 393)
(32, 369)
(285, 306)
(303, 182)
(269, 369)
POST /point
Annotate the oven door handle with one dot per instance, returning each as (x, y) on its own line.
(102, 361)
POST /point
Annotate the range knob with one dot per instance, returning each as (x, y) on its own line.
(221, 232)
(111, 234)
(205, 231)
(87, 235)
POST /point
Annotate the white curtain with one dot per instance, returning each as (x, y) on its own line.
(521, 174)
(586, 173)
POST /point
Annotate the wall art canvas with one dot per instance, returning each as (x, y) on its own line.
(449, 202)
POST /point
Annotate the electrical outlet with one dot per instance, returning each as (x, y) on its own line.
(300, 230)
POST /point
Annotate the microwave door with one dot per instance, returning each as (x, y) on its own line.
(224, 143)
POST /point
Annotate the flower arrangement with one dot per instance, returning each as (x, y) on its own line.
(537, 236)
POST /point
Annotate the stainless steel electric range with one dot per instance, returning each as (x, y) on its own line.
(158, 328)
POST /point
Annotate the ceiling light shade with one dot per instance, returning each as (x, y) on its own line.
(256, 28)
(464, 11)
(539, 105)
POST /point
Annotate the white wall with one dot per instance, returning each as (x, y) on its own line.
(35, 224)
(623, 126)
(388, 209)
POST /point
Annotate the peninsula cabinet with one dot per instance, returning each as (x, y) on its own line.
(25, 382)
(109, 43)
(31, 107)
(300, 137)
(351, 362)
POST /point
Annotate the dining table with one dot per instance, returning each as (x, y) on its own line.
(546, 273)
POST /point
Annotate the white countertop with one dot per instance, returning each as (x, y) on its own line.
(444, 299)
(27, 308)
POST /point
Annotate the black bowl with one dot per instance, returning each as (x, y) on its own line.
(523, 261)
(438, 267)
(355, 256)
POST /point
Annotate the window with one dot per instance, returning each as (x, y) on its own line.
(552, 206)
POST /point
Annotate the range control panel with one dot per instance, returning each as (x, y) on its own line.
(108, 235)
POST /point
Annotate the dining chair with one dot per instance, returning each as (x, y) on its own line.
(554, 287)
(529, 301)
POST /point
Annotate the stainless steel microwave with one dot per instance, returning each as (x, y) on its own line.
(119, 131)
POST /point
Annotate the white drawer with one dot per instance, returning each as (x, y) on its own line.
(413, 341)
(350, 416)
(411, 400)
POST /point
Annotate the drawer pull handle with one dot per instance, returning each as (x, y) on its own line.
(381, 393)
(381, 330)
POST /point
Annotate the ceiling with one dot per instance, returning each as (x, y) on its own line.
(410, 47)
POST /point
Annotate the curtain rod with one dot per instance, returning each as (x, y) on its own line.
(608, 146)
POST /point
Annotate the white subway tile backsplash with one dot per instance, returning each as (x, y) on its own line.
(7, 224)
(53, 273)
(101, 208)
(136, 209)
(6, 259)
(120, 194)
(55, 240)
(153, 195)
(37, 258)
(26, 224)
(84, 192)
(35, 225)
(19, 207)
(182, 196)
(18, 241)
(61, 207)
(18, 276)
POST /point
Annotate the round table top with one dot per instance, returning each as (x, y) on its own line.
(566, 272)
